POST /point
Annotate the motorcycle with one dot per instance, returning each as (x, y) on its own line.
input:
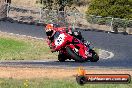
(70, 47)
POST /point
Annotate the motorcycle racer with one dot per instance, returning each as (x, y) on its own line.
(52, 28)
(58, 37)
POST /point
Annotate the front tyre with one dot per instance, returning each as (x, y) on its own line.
(74, 55)
(61, 57)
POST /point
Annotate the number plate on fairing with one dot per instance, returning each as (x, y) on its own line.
(60, 40)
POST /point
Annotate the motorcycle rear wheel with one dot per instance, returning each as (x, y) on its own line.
(94, 57)
(74, 55)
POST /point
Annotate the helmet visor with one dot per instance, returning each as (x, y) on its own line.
(49, 33)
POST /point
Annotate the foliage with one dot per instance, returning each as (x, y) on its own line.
(82, 2)
(50, 4)
(113, 8)
(129, 24)
(99, 20)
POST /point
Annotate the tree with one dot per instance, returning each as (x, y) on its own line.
(114, 8)
(60, 3)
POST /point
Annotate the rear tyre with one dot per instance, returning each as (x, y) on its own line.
(94, 57)
(74, 55)
(61, 57)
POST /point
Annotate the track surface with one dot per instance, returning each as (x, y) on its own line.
(120, 45)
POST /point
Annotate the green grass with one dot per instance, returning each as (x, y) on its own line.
(24, 49)
(48, 83)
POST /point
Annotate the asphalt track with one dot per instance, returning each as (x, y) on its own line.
(120, 45)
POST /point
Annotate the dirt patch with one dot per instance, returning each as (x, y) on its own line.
(52, 73)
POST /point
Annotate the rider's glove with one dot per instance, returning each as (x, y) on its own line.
(50, 46)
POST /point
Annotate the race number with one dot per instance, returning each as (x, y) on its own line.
(60, 40)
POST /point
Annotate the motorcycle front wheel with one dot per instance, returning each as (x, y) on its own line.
(61, 57)
(74, 55)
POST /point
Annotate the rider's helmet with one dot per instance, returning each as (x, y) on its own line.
(49, 29)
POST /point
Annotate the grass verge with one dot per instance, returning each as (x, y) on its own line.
(48, 83)
(23, 48)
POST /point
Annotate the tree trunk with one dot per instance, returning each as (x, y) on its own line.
(3, 9)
